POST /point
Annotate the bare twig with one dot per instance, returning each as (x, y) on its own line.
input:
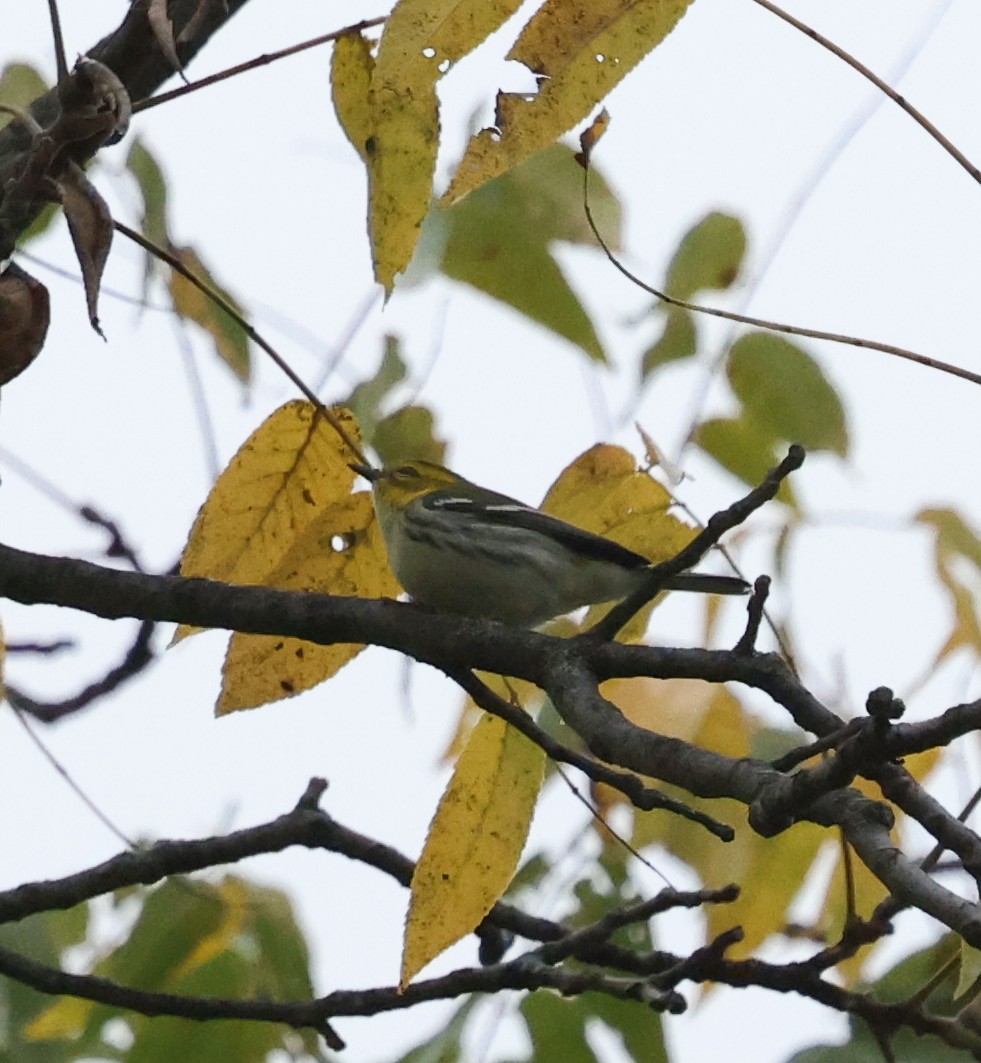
(254, 64)
(717, 526)
(763, 323)
(641, 796)
(921, 119)
(61, 63)
(175, 264)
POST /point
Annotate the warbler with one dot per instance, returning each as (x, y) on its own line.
(465, 549)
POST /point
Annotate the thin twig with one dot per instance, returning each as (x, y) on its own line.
(718, 525)
(921, 119)
(631, 786)
(616, 835)
(61, 63)
(763, 323)
(175, 264)
(72, 784)
(253, 64)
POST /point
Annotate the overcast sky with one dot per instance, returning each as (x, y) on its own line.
(735, 112)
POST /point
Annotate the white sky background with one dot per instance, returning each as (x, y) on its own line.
(731, 113)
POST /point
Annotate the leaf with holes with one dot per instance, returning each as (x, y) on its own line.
(579, 51)
(292, 467)
(395, 128)
(340, 551)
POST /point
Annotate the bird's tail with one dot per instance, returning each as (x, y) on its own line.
(706, 584)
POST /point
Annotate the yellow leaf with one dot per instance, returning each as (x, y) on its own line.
(579, 50)
(526, 694)
(351, 66)
(956, 542)
(234, 904)
(474, 842)
(64, 1020)
(965, 631)
(970, 968)
(230, 339)
(769, 871)
(604, 492)
(277, 484)
(421, 40)
(340, 552)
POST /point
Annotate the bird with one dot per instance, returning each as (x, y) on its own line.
(461, 548)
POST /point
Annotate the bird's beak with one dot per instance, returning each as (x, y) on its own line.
(367, 471)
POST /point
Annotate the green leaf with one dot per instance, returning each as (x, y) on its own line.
(445, 1046)
(954, 535)
(40, 224)
(20, 86)
(898, 985)
(408, 433)
(709, 256)
(785, 392)
(192, 938)
(42, 938)
(500, 239)
(745, 449)
(640, 1029)
(230, 339)
(677, 340)
(282, 965)
(153, 190)
(367, 398)
(557, 1028)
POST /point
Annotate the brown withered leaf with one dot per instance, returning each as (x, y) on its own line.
(163, 30)
(590, 137)
(90, 225)
(24, 317)
(196, 21)
(95, 108)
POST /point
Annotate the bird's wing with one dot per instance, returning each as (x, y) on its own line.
(500, 509)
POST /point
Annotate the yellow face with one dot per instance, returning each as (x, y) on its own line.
(398, 485)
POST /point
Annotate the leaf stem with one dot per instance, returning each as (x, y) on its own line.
(175, 263)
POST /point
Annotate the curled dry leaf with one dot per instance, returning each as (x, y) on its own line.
(163, 30)
(590, 137)
(90, 224)
(95, 108)
(24, 317)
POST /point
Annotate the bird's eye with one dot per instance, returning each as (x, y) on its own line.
(407, 472)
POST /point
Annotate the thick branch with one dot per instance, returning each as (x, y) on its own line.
(643, 797)
(567, 670)
(866, 824)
